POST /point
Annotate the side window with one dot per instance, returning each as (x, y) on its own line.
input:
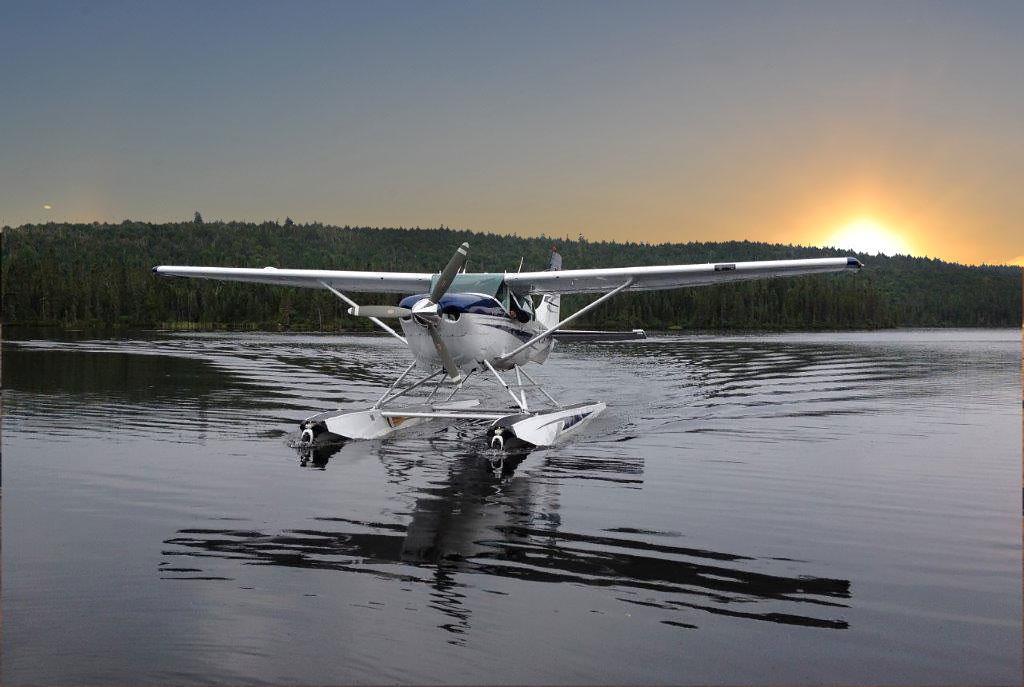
(523, 306)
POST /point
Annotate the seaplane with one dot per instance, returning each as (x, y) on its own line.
(457, 324)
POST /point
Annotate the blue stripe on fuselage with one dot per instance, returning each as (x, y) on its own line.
(518, 333)
(461, 303)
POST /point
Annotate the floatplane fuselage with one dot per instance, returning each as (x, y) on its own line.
(476, 328)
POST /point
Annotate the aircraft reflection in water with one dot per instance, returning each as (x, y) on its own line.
(502, 464)
(486, 521)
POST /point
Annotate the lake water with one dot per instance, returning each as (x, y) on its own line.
(798, 508)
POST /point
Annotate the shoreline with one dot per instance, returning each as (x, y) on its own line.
(119, 331)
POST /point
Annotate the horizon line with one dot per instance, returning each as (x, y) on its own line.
(540, 236)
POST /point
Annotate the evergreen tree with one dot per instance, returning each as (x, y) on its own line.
(96, 274)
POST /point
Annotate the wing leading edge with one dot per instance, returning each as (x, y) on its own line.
(670, 276)
(557, 281)
(373, 282)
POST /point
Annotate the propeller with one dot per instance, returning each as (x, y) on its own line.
(379, 311)
(425, 310)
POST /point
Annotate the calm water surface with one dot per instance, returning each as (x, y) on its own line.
(841, 508)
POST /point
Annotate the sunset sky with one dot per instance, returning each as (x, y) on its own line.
(892, 126)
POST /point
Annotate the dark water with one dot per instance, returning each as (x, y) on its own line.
(840, 508)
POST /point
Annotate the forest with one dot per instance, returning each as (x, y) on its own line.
(99, 275)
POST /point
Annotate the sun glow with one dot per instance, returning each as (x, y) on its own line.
(867, 235)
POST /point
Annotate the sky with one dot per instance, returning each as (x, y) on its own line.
(892, 127)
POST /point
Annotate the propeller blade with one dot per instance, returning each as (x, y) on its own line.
(442, 350)
(379, 311)
(449, 272)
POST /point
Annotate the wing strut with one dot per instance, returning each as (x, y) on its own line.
(555, 327)
(355, 305)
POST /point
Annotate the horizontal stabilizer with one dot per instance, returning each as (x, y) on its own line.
(566, 335)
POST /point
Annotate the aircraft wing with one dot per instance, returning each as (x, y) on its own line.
(670, 276)
(372, 282)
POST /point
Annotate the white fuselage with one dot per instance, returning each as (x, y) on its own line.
(474, 338)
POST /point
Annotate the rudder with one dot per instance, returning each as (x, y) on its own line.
(548, 310)
(550, 303)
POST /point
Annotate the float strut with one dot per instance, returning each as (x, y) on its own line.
(506, 386)
(540, 388)
(394, 384)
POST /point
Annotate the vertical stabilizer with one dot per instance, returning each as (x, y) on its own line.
(550, 303)
(547, 311)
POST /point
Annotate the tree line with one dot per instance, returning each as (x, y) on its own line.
(99, 275)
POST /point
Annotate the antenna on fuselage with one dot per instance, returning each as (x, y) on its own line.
(521, 264)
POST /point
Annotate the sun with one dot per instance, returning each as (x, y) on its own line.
(867, 235)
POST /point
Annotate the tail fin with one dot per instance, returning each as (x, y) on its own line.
(548, 310)
(550, 303)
